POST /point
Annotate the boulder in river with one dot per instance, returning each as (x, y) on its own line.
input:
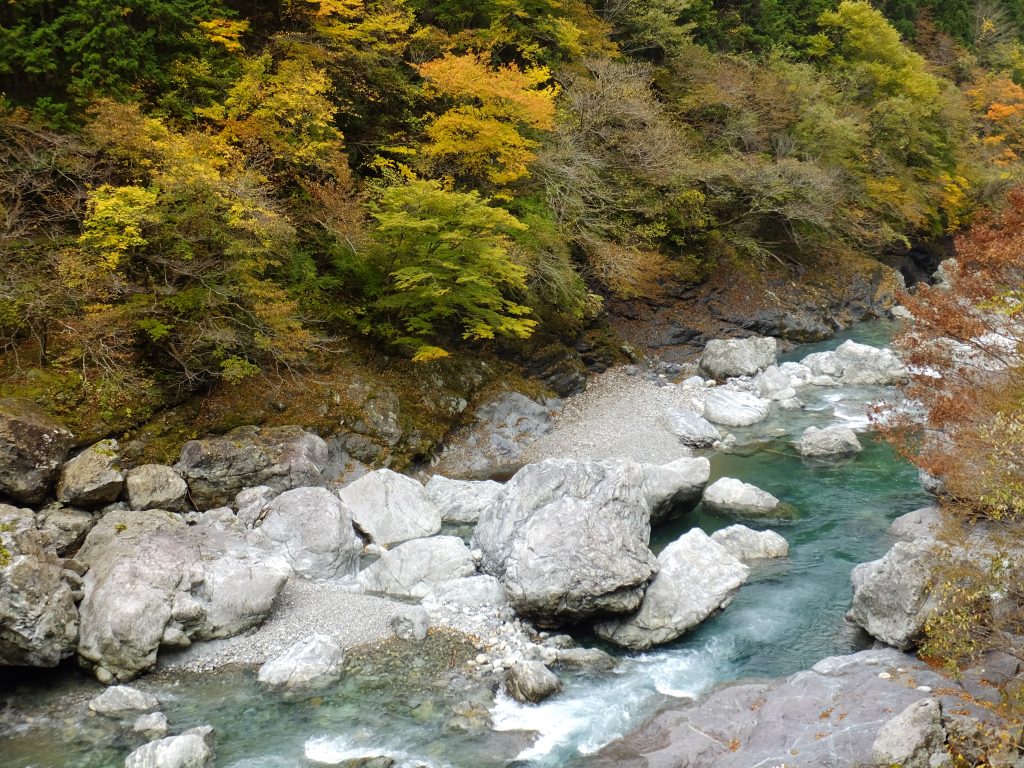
(856, 364)
(38, 619)
(413, 569)
(735, 409)
(155, 486)
(746, 544)
(310, 664)
(568, 539)
(121, 701)
(696, 577)
(93, 478)
(153, 581)
(188, 750)
(723, 358)
(828, 441)
(773, 384)
(33, 447)
(733, 496)
(674, 487)
(313, 529)
(692, 429)
(530, 682)
(389, 508)
(461, 501)
(217, 468)
(892, 596)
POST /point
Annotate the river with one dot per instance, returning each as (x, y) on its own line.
(787, 617)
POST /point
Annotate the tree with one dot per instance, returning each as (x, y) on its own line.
(483, 137)
(445, 257)
(964, 348)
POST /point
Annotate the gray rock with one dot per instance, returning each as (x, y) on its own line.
(252, 504)
(920, 525)
(66, 528)
(411, 623)
(857, 364)
(155, 581)
(33, 447)
(691, 428)
(311, 664)
(412, 570)
(669, 488)
(122, 701)
(697, 577)
(38, 619)
(155, 486)
(825, 717)
(735, 409)
(390, 508)
(745, 544)
(828, 441)
(892, 597)
(723, 358)
(936, 486)
(530, 682)
(313, 529)
(585, 659)
(189, 750)
(910, 738)
(462, 501)
(152, 726)
(472, 592)
(217, 468)
(568, 539)
(733, 496)
(93, 478)
(773, 384)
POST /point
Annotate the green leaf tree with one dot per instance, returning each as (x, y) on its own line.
(447, 260)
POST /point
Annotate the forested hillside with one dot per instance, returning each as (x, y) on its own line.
(197, 193)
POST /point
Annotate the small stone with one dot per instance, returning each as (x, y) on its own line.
(151, 726)
(884, 676)
(123, 701)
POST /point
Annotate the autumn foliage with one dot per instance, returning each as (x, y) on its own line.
(965, 347)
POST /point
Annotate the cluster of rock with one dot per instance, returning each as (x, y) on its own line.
(137, 713)
(754, 382)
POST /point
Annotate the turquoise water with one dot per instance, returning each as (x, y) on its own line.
(787, 617)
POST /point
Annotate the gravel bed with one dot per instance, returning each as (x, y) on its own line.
(303, 607)
(618, 416)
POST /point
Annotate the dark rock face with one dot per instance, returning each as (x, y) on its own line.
(33, 447)
(217, 468)
(38, 619)
(825, 717)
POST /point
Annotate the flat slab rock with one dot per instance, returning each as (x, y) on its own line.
(825, 717)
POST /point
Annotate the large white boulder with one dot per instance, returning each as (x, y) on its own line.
(390, 508)
(696, 577)
(746, 544)
(462, 501)
(312, 528)
(828, 441)
(412, 570)
(568, 539)
(691, 428)
(735, 409)
(733, 496)
(723, 358)
(312, 663)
